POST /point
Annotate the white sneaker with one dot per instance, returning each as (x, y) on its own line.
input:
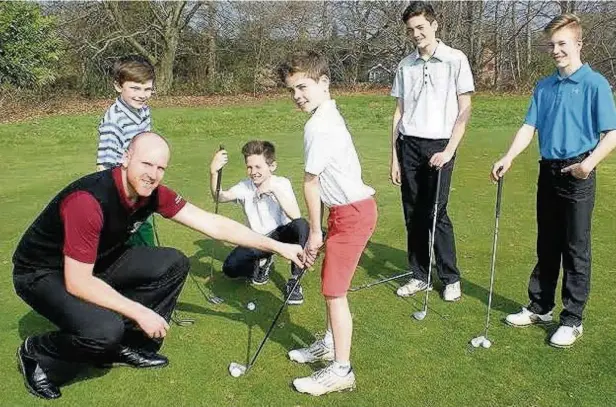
(318, 351)
(565, 336)
(526, 318)
(452, 292)
(325, 381)
(412, 287)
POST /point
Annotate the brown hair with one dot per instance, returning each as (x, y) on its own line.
(311, 63)
(419, 8)
(259, 147)
(134, 68)
(568, 20)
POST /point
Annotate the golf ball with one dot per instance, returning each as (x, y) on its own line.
(235, 372)
(251, 306)
(486, 343)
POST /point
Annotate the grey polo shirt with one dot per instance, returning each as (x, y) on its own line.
(429, 91)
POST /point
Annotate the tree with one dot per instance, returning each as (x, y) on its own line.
(29, 45)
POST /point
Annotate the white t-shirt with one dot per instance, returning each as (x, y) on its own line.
(429, 91)
(329, 153)
(264, 213)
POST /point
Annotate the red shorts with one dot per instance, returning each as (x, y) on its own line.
(348, 229)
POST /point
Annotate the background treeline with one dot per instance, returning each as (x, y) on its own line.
(200, 48)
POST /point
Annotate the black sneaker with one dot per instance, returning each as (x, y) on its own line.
(262, 273)
(297, 296)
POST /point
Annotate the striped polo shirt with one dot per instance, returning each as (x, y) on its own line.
(117, 128)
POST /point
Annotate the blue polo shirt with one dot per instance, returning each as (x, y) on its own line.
(570, 113)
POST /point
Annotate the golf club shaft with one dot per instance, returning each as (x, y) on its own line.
(271, 328)
(218, 183)
(436, 201)
(499, 196)
(218, 186)
(353, 289)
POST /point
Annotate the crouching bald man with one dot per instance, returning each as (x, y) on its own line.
(112, 303)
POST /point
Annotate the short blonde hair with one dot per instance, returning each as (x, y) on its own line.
(567, 20)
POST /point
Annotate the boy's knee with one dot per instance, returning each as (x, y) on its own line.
(300, 223)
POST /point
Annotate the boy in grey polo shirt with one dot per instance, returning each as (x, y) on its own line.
(570, 110)
(133, 78)
(433, 87)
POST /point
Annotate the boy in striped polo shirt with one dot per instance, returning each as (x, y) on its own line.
(570, 110)
(133, 78)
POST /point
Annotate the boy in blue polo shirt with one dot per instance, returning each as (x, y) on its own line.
(133, 78)
(570, 110)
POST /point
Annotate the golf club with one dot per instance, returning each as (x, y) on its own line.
(211, 297)
(483, 339)
(236, 369)
(420, 315)
(361, 287)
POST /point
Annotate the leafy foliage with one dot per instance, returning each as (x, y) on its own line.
(29, 45)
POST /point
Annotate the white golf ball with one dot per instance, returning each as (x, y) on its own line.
(251, 306)
(236, 372)
(486, 343)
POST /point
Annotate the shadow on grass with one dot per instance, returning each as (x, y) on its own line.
(286, 333)
(381, 261)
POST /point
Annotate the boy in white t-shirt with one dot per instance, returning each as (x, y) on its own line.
(332, 176)
(271, 209)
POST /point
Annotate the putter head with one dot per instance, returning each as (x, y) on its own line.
(486, 343)
(236, 370)
(478, 341)
(419, 315)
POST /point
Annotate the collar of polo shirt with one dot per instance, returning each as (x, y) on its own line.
(134, 115)
(576, 76)
(441, 52)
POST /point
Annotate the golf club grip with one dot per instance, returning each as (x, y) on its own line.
(499, 196)
(271, 328)
(218, 182)
(438, 187)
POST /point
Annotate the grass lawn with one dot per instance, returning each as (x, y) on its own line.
(398, 361)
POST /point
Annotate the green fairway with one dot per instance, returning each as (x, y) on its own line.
(398, 361)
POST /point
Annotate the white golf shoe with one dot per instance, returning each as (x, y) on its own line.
(318, 351)
(526, 318)
(412, 287)
(565, 336)
(452, 292)
(325, 381)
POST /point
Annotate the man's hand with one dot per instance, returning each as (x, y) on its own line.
(500, 168)
(293, 252)
(152, 324)
(394, 174)
(220, 160)
(578, 170)
(438, 160)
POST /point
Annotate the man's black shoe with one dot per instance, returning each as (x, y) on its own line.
(35, 379)
(139, 358)
(261, 275)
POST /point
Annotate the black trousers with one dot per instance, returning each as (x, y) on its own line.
(243, 261)
(564, 217)
(418, 193)
(152, 276)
